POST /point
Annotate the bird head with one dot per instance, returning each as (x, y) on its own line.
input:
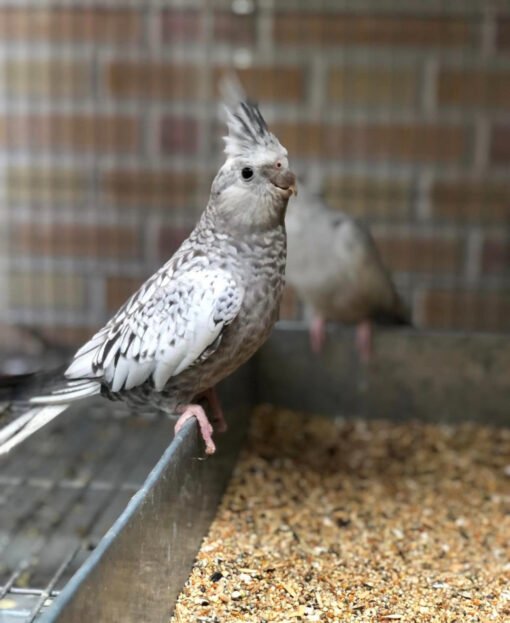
(252, 188)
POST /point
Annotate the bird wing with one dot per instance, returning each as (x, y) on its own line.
(171, 323)
(374, 284)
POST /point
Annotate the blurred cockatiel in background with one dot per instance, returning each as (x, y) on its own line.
(199, 317)
(334, 265)
(336, 270)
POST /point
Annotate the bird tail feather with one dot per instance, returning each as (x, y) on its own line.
(43, 410)
(398, 316)
(27, 424)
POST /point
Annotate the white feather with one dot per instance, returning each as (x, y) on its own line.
(121, 373)
(92, 344)
(139, 374)
(172, 329)
(36, 418)
(8, 431)
(81, 365)
(77, 391)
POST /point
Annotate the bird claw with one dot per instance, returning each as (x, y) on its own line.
(206, 429)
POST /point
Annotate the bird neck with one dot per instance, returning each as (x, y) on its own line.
(239, 225)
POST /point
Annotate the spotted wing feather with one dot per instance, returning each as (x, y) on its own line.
(169, 325)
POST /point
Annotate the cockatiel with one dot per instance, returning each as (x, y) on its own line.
(333, 263)
(336, 270)
(204, 313)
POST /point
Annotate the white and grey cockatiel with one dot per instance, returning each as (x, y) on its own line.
(199, 317)
(333, 263)
(336, 270)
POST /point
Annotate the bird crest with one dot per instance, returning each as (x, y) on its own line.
(247, 128)
(248, 132)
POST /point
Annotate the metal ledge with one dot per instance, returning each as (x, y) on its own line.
(139, 567)
(435, 376)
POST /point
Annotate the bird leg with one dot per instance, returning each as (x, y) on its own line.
(211, 395)
(317, 334)
(206, 430)
(364, 340)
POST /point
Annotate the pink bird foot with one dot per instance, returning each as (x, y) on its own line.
(364, 341)
(317, 334)
(206, 429)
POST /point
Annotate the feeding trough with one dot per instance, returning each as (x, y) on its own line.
(137, 569)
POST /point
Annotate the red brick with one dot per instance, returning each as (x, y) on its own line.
(368, 197)
(374, 86)
(119, 290)
(70, 132)
(46, 290)
(424, 254)
(179, 135)
(234, 29)
(170, 239)
(76, 25)
(305, 28)
(474, 88)
(31, 185)
(503, 33)
(149, 188)
(178, 82)
(496, 256)
(467, 310)
(180, 25)
(153, 80)
(75, 240)
(371, 142)
(305, 139)
(269, 83)
(471, 201)
(500, 144)
(45, 78)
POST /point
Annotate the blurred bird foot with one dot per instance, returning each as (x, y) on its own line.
(317, 334)
(364, 341)
(206, 429)
(211, 395)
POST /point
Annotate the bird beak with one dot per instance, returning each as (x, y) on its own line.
(284, 180)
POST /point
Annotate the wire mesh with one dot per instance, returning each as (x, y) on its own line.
(61, 492)
(395, 111)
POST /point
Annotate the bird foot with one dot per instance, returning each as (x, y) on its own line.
(317, 334)
(364, 341)
(206, 429)
(220, 424)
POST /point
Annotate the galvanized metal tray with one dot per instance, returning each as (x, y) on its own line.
(139, 566)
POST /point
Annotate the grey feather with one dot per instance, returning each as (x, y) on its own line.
(335, 267)
(208, 309)
(247, 129)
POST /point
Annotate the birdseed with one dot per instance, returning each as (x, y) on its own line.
(357, 521)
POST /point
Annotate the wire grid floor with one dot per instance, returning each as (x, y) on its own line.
(61, 491)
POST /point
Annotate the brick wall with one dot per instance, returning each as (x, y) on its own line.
(397, 111)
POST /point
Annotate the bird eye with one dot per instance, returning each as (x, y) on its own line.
(278, 165)
(247, 173)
